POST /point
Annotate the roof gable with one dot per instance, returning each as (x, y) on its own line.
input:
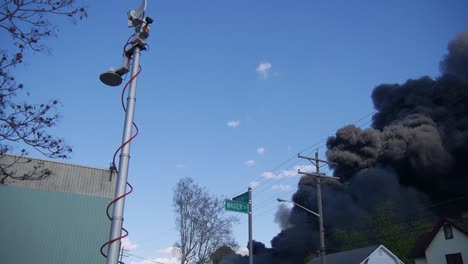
(461, 225)
(419, 248)
(354, 256)
(386, 250)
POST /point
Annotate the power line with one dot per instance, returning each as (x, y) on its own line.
(417, 90)
(294, 167)
(269, 182)
(260, 178)
(276, 195)
(138, 257)
(271, 201)
(157, 236)
(263, 187)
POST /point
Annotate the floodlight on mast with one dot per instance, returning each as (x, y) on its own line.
(136, 19)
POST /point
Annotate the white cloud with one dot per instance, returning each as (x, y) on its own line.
(282, 187)
(260, 150)
(286, 205)
(128, 245)
(173, 259)
(169, 251)
(243, 251)
(233, 123)
(254, 184)
(181, 166)
(158, 260)
(268, 175)
(288, 173)
(263, 69)
(249, 163)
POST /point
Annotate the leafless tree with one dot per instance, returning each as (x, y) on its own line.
(222, 253)
(24, 125)
(201, 221)
(35, 170)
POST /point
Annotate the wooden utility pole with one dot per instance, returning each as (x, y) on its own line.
(316, 161)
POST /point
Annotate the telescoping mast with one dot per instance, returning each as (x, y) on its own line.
(137, 43)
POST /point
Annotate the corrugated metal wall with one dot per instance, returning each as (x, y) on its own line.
(63, 177)
(44, 227)
(57, 220)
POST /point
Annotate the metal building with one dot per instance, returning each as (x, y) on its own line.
(59, 219)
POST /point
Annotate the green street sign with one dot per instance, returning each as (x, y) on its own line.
(242, 198)
(236, 206)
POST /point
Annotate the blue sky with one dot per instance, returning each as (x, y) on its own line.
(225, 79)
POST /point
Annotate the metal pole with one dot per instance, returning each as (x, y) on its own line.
(320, 212)
(117, 214)
(250, 227)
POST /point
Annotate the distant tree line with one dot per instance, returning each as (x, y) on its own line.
(398, 235)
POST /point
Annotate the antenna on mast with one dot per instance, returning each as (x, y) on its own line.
(136, 19)
(137, 14)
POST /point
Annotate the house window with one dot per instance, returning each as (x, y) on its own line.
(454, 258)
(448, 231)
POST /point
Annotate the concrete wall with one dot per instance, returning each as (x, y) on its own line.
(60, 219)
(439, 247)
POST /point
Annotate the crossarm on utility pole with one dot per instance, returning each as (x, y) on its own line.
(316, 161)
(323, 176)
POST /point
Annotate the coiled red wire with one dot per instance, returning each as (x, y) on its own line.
(115, 167)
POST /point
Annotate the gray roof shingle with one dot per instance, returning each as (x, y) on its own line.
(354, 256)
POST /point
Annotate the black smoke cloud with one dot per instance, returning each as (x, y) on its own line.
(282, 216)
(348, 206)
(455, 61)
(420, 130)
(415, 153)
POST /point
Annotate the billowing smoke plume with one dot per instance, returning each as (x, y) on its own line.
(420, 131)
(282, 216)
(415, 154)
(455, 61)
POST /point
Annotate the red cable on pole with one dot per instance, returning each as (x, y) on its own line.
(113, 165)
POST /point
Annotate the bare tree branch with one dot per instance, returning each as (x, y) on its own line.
(201, 221)
(22, 124)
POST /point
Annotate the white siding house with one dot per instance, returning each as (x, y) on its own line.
(447, 243)
(382, 256)
(369, 255)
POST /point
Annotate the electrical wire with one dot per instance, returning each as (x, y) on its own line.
(260, 178)
(145, 259)
(268, 182)
(264, 207)
(293, 157)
